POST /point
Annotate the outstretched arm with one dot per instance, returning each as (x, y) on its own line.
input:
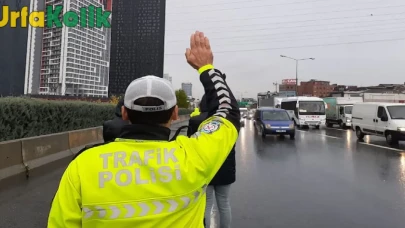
(220, 99)
(217, 135)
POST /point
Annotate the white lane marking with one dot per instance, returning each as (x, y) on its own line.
(332, 137)
(384, 147)
(337, 129)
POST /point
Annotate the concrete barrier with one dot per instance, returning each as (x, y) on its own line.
(80, 138)
(41, 150)
(10, 159)
(23, 155)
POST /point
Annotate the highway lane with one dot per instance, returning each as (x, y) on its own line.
(323, 178)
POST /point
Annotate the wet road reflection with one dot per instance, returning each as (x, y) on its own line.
(323, 178)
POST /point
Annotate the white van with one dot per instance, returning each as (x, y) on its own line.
(381, 119)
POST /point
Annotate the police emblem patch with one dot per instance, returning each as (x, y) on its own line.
(210, 127)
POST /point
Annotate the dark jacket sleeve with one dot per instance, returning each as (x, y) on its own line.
(195, 122)
(190, 130)
(220, 99)
(107, 134)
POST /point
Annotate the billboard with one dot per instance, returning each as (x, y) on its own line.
(288, 81)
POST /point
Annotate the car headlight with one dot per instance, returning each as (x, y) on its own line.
(401, 129)
(268, 126)
(292, 126)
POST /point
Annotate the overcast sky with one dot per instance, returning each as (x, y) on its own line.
(248, 38)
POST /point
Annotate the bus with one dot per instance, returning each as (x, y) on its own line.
(305, 111)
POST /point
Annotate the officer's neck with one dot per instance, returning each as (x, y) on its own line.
(167, 125)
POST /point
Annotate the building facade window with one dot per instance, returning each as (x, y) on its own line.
(137, 44)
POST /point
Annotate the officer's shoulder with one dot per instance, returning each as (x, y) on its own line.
(200, 117)
(195, 119)
(88, 147)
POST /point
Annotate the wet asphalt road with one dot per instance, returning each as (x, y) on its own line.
(324, 178)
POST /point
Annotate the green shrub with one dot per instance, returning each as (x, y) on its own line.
(26, 117)
(184, 111)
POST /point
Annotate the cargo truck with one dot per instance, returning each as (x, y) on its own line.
(270, 102)
(339, 110)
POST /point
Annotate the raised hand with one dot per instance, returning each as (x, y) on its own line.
(199, 54)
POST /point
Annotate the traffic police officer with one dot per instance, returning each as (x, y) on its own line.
(196, 112)
(142, 179)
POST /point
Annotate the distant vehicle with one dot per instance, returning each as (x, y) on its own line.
(274, 121)
(339, 110)
(243, 115)
(306, 111)
(242, 121)
(380, 119)
(271, 102)
(250, 114)
(243, 112)
(277, 101)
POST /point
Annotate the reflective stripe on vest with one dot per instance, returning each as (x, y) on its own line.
(142, 208)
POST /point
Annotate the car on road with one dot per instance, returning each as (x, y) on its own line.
(379, 119)
(243, 112)
(243, 115)
(242, 121)
(250, 115)
(274, 121)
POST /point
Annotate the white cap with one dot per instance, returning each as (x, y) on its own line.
(150, 86)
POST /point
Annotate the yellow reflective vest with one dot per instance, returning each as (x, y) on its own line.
(143, 183)
(196, 112)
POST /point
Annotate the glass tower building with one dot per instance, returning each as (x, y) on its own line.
(137, 42)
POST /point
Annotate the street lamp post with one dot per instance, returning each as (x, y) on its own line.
(296, 70)
(241, 94)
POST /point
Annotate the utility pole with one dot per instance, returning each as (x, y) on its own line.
(275, 84)
(296, 70)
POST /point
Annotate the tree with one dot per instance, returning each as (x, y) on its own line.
(182, 101)
(114, 99)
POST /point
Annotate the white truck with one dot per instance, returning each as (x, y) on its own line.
(339, 110)
(272, 101)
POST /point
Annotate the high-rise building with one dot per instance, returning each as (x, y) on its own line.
(13, 46)
(137, 44)
(167, 77)
(188, 88)
(68, 60)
